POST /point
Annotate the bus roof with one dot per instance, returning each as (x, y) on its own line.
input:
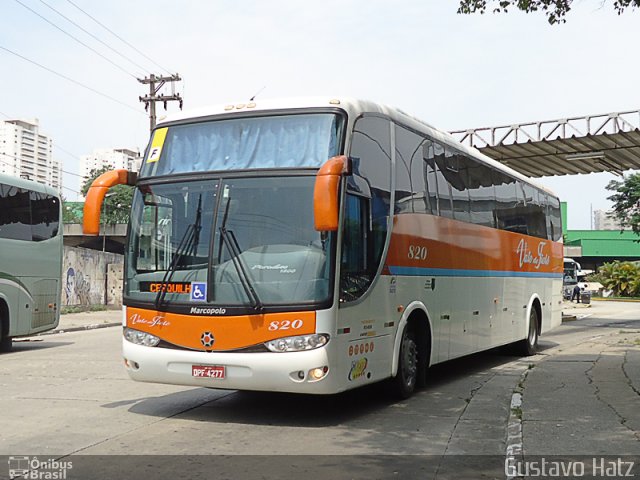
(27, 184)
(353, 107)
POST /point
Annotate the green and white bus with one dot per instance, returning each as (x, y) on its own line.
(30, 258)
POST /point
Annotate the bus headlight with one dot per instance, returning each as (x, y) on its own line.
(140, 338)
(299, 343)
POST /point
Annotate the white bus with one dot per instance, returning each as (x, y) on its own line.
(317, 245)
(30, 258)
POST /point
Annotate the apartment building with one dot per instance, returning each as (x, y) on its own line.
(109, 157)
(27, 152)
(602, 220)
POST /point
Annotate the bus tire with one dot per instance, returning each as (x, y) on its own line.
(5, 340)
(529, 346)
(406, 378)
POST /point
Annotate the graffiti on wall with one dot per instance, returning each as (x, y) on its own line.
(77, 288)
(84, 275)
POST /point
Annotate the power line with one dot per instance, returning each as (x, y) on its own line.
(119, 37)
(93, 36)
(76, 39)
(48, 167)
(68, 153)
(69, 79)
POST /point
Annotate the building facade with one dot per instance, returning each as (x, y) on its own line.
(592, 248)
(27, 152)
(602, 220)
(109, 157)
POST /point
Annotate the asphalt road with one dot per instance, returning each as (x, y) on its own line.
(66, 397)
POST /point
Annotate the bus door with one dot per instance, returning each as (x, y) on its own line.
(366, 320)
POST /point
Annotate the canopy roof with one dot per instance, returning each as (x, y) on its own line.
(596, 143)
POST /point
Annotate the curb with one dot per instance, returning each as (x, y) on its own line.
(514, 442)
(617, 299)
(92, 326)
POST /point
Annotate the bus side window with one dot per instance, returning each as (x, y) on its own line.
(482, 194)
(411, 192)
(155, 234)
(535, 212)
(45, 216)
(509, 207)
(371, 161)
(554, 220)
(445, 203)
(458, 177)
(15, 213)
(430, 177)
(355, 259)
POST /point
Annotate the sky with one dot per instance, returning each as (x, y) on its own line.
(453, 71)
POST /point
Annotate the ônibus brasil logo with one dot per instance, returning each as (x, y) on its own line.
(31, 468)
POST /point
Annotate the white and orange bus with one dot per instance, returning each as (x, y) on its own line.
(316, 245)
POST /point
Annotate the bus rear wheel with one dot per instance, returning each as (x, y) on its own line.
(529, 346)
(407, 377)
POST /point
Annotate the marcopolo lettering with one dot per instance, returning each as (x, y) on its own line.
(208, 311)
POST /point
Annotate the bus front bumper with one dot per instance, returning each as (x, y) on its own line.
(279, 372)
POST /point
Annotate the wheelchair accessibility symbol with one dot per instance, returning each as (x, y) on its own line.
(198, 291)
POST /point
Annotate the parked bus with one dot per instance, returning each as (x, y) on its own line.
(30, 258)
(314, 246)
(570, 280)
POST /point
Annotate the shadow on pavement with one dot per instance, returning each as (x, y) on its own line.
(26, 345)
(315, 411)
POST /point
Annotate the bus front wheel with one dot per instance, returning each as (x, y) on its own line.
(5, 340)
(407, 377)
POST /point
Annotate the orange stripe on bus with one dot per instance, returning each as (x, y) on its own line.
(426, 241)
(230, 332)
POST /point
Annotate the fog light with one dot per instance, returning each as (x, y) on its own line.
(318, 373)
(301, 375)
(130, 364)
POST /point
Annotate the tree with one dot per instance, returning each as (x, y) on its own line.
(621, 277)
(556, 10)
(70, 212)
(117, 202)
(626, 201)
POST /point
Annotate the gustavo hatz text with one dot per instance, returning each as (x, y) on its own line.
(597, 467)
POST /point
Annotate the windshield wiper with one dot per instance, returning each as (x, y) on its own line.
(188, 244)
(229, 239)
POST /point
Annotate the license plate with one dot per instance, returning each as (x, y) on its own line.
(207, 371)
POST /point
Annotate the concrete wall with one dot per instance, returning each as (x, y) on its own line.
(114, 284)
(89, 277)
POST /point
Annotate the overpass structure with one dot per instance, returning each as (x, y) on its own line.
(112, 237)
(595, 143)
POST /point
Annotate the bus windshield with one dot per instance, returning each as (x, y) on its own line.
(250, 240)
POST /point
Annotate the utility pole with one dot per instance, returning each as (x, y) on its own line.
(155, 84)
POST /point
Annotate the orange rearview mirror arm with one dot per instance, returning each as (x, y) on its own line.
(95, 197)
(325, 194)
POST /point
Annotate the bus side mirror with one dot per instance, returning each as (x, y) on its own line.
(325, 193)
(95, 197)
